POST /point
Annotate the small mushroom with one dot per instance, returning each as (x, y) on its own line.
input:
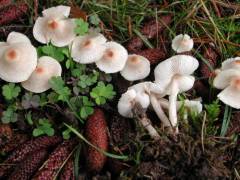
(136, 68)
(114, 58)
(18, 58)
(229, 81)
(182, 43)
(132, 104)
(55, 27)
(231, 63)
(174, 75)
(47, 68)
(88, 49)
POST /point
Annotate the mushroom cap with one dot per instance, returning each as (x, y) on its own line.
(88, 49)
(230, 96)
(57, 11)
(39, 80)
(54, 27)
(127, 101)
(16, 37)
(17, 61)
(231, 63)
(182, 43)
(114, 58)
(137, 67)
(194, 105)
(175, 66)
(224, 78)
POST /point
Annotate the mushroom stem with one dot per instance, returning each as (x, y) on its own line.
(173, 103)
(140, 114)
(159, 111)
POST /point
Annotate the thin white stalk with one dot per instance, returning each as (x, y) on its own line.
(159, 111)
(173, 103)
(146, 123)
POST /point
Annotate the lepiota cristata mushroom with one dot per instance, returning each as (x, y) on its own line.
(174, 76)
(55, 27)
(18, 58)
(47, 68)
(182, 43)
(136, 68)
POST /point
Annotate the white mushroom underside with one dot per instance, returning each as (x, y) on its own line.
(230, 96)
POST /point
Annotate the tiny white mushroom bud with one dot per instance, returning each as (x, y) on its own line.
(136, 68)
(182, 43)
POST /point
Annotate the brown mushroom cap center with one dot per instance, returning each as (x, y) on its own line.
(11, 55)
(184, 42)
(237, 62)
(87, 43)
(236, 83)
(134, 60)
(53, 24)
(39, 70)
(109, 54)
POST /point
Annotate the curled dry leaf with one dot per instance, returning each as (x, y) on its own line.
(96, 133)
(27, 148)
(29, 166)
(211, 56)
(13, 12)
(56, 159)
(135, 44)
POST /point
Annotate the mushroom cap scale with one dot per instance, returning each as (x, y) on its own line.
(17, 62)
(88, 49)
(16, 37)
(231, 63)
(57, 12)
(136, 68)
(224, 78)
(182, 43)
(175, 66)
(39, 80)
(114, 58)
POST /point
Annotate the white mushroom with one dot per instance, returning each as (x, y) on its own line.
(55, 27)
(153, 91)
(18, 58)
(88, 49)
(136, 68)
(229, 81)
(39, 80)
(231, 63)
(114, 58)
(182, 43)
(128, 104)
(173, 75)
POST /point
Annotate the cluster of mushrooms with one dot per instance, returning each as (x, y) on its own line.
(19, 63)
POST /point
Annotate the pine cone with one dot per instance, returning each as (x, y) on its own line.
(68, 171)
(55, 161)
(6, 134)
(12, 13)
(25, 149)
(152, 28)
(211, 56)
(29, 166)
(96, 133)
(15, 142)
(153, 55)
